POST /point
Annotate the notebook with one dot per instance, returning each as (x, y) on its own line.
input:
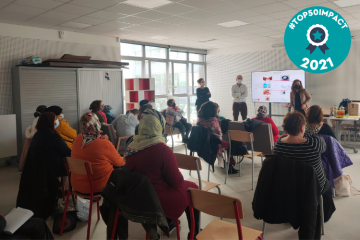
(16, 218)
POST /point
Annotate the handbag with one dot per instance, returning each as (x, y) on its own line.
(343, 186)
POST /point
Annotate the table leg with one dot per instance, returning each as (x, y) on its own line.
(338, 136)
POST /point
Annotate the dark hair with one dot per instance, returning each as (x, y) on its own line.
(208, 110)
(142, 109)
(133, 111)
(294, 83)
(169, 102)
(292, 123)
(39, 110)
(95, 106)
(314, 115)
(46, 122)
(199, 80)
(143, 102)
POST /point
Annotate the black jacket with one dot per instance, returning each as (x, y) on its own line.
(250, 124)
(209, 148)
(55, 147)
(224, 125)
(288, 191)
(134, 194)
(327, 130)
(39, 184)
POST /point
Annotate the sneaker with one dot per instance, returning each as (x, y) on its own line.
(232, 170)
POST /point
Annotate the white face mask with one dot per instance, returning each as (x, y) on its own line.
(239, 81)
(203, 84)
(61, 116)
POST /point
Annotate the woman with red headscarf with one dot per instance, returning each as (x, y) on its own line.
(47, 138)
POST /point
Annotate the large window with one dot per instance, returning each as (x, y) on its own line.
(175, 74)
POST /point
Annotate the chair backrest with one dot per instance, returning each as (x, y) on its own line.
(78, 166)
(241, 136)
(187, 162)
(215, 204)
(109, 130)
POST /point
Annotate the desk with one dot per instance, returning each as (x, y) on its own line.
(337, 131)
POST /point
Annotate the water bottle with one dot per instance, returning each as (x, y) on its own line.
(335, 111)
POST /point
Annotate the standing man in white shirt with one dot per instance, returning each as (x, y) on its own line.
(239, 93)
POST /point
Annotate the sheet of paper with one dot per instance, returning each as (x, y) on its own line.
(16, 218)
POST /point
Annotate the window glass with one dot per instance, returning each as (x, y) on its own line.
(182, 103)
(134, 71)
(158, 71)
(146, 69)
(160, 104)
(193, 113)
(199, 72)
(178, 56)
(127, 49)
(179, 78)
(155, 52)
(196, 57)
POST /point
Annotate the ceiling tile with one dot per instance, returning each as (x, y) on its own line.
(260, 30)
(353, 9)
(65, 28)
(63, 1)
(13, 18)
(3, 4)
(125, 9)
(210, 28)
(133, 20)
(59, 15)
(195, 24)
(38, 25)
(198, 14)
(74, 9)
(115, 24)
(257, 19)
(75, 25)
(242, 14)
(46, 4)
(201, 3)
(117, 33)
(277, 36)
(153, 15)
(138, 29)
(271, 8)
(278, 28)
(106, 15)
(7, 1)
(14, 8)
(156, 24)
(275, 22)
(96, 29)
(223, 8)
(283, 14)
(217, 19)
(250, 4)
(302, 3)
(175, 9)
(43, 22)
(89, 20)
(98, 4)
(147, 3)
(176, 20)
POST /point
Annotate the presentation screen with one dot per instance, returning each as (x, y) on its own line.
(274, 86)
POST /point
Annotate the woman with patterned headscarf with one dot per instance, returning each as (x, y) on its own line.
(91, 146)
(262, 116)
(149, 155)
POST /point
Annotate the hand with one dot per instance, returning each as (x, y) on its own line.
(287, 105)
(242, 94)
(104, 137)
(208, 93)
(236, 97)
(303, 106)
(284, 135)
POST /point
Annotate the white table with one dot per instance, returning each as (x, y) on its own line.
(337, 131)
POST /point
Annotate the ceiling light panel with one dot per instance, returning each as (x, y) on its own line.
(234, 23)
(75, 25)
(175, 9)
(159, 37)
(347, 3)
(125, 9)
(153, 15)
(148, 3)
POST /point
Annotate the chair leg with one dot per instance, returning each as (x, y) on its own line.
(115, 223)
(89, 221)
(64, 214)
(172, 141)
(322, 215)
(239, 169)
(209, 173)
(333, 190)
(177, 229)
(147, 236)
(252, 177)
(62, 188)
(262, 159)
(226, 167)
(185, 149)
(263, 230)
(98, 207)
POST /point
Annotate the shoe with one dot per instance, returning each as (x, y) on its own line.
(185, 140)
(172, 226)
(232, 170)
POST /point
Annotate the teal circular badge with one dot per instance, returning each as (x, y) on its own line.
(317, 39)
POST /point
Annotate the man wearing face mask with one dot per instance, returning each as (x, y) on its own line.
(62, 127)
(239, 93)
(179, 121)
(299, 97)
(203, 94)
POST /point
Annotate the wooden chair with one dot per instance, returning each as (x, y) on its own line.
(80, 167)
(219, 206)
(119, 140)
(170, 130)
(247, 137)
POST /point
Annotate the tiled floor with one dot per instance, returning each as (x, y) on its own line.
(343, 225)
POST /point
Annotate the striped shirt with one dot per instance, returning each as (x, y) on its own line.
(309, 151)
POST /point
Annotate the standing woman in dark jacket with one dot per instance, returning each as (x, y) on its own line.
(47, 138)
(299, 97)
(203, 94)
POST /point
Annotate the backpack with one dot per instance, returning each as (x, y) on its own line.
(198, 136)
(238, 148)
(344, 103)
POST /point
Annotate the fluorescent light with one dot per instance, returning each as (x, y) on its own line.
(347, 3)
(234, 23)
(147, 3)
(158, 37)
(75, 25)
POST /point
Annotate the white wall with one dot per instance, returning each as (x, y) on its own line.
(326, 89)
(16, 42)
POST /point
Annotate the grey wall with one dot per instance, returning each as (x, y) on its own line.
(326, 89)
(14, 49)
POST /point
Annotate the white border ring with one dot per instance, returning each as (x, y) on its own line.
(323, 41)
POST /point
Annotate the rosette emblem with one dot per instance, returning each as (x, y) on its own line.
(317, 35)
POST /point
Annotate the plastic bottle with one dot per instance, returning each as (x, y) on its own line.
(335, 110)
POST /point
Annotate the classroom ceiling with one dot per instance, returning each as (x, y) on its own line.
(186, 23)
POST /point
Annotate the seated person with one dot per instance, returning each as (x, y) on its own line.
(262, 116)
(47, 138)
(314, 124)
(207, 118)
(34, 228)
(91, 146)
(96, 107)
(125, 125)
(179, 121)
(306, 149)
(149, 155)
(67, 133)
(108, 110)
